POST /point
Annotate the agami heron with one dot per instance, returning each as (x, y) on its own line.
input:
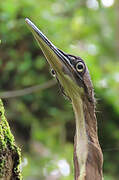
(73, 76)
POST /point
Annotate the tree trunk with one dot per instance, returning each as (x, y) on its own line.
(10, 156)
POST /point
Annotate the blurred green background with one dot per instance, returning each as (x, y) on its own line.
(43, 122)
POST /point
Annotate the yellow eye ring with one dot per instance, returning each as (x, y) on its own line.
(80, 67)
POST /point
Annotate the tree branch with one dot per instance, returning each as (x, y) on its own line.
(22, 92)
(10, 155)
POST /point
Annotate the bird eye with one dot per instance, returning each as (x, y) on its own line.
(79, 66)
(53, 72)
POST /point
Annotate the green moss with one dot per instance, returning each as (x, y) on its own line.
(2, 164)
(8, 146)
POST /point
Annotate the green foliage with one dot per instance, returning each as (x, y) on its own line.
(44, 121)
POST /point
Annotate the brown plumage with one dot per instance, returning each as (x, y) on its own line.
(74, 79)
(95, 158)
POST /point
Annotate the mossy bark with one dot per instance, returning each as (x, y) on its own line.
(10, 156)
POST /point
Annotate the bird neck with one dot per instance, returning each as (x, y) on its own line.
(87, 151)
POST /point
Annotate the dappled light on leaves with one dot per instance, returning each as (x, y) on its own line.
(40, 118)
(107, 3)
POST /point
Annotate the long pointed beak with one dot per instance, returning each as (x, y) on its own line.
(54, 56)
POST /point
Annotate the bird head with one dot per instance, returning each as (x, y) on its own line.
(70, 71)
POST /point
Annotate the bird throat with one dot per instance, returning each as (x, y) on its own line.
(88, 157)
(81, 139)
